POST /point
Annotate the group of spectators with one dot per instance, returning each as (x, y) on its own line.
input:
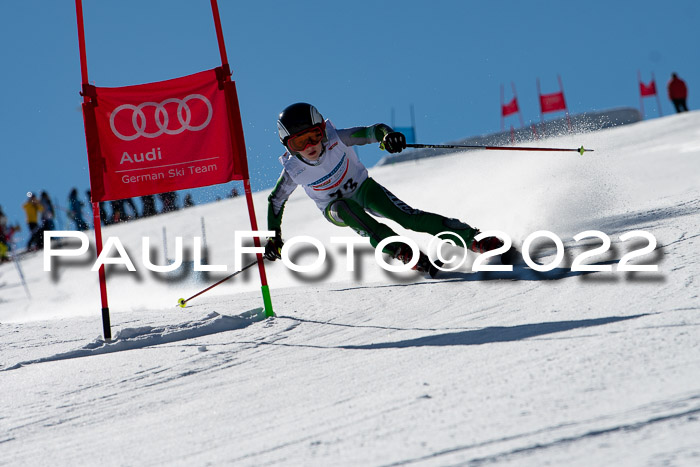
(122, 210)
(41, 216)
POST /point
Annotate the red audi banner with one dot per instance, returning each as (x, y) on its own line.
(647, 90)
(552, 102)
(165, 136)
(510, 108)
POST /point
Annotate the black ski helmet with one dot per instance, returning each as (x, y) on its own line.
(295, 118)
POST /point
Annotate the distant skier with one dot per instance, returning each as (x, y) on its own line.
(678, 93)
(321, 159)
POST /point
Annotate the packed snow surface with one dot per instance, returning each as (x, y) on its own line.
(365, 367)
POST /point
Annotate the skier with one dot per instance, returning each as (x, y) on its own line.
(320, 157)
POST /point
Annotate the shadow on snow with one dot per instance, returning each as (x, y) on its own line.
(520, 272)
(494, 334)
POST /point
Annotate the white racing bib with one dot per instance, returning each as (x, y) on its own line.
(338, 174)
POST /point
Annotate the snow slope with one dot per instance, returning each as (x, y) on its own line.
(368, 368)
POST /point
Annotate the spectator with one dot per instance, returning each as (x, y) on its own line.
(32, 207)
(135, 213)
(5, 236)
(118, 213)
(149, 206)
(678, 93)
(234, 193)
(47, 215)
(188, 202)
(4, 247)
(169, 200)
(75, 210)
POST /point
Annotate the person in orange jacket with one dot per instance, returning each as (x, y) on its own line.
(678, 93)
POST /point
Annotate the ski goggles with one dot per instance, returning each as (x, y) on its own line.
(309, 137)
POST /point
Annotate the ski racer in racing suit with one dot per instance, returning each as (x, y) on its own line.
(321, 159)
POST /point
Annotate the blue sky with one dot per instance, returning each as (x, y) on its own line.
(354, 60)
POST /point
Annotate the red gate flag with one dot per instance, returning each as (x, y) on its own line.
(510, 108)
(165, 136)
(552, 102)
(647, 90)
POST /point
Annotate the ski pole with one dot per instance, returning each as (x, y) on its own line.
(16, 260)
(182, 302)
(580, 150)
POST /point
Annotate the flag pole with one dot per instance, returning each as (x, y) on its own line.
(234, 120)
(503, 118)
(87, 101)
(520, 113)
(656, 91)
(641, 96)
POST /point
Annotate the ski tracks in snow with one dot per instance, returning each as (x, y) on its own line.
(516, 449)
(149, 336)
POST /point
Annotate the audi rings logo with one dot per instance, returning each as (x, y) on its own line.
(161, 117)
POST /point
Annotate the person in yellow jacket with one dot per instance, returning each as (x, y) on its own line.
(32, 208)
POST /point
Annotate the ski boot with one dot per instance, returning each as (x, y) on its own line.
(405, 254)
(485, 244)
(492, 243)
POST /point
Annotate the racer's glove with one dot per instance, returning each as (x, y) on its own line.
(273, 247)
(394, 142)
